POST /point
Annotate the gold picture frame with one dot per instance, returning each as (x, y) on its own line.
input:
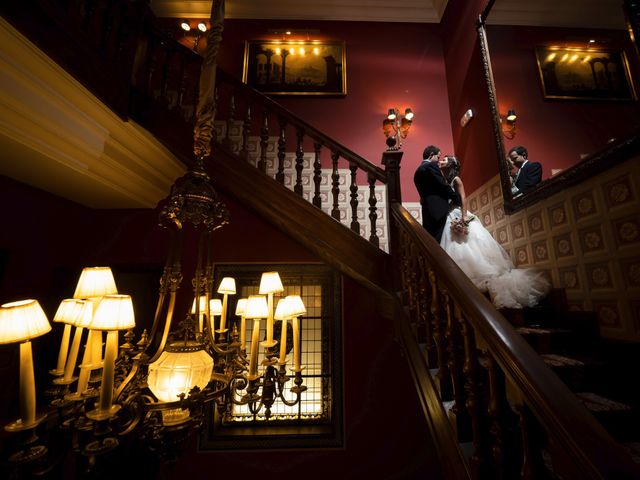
(277, 67)
(584, 74)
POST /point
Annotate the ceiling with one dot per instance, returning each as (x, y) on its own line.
(564, 13)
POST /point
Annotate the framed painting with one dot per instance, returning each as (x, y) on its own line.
(295, 68)
(584, 74)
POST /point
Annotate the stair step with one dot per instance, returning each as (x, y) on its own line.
(546, 340)
(618, 418)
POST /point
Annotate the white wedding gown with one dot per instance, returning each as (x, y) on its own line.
(489, 267)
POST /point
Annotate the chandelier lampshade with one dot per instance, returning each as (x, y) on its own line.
(227, 285)
(270, 283)
(95, 282)
(114, 312)
(215, 306)
(21, 321)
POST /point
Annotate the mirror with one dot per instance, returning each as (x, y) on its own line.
(571, 73)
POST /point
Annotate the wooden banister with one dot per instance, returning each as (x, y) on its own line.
(579, 446)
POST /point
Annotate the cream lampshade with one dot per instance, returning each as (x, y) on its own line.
(215, 306)
(256, 308)
(81, 320)
(296, 308)
(227, 287)
(114, 312)
(67, 312)
(270, 283)
(95, 282)
(240, 308)
(20, 322)
(282, 313)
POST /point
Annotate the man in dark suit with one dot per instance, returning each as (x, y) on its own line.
(435, 192)
(529, 173)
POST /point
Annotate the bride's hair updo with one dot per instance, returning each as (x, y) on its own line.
(452, 169)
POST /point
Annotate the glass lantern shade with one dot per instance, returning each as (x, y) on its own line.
(175, 373)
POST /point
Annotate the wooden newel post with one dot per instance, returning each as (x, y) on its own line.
(391, 162)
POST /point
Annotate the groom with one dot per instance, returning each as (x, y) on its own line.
(434, 191)
(529, 173)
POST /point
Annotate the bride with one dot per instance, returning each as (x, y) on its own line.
(482, 259)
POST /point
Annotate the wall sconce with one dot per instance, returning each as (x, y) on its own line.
(509, 124)
(396, 128)
(198, 31)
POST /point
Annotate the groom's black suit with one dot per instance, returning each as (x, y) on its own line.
(435, 194)
(528, 176)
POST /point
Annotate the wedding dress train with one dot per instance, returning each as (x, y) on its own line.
(489, 267)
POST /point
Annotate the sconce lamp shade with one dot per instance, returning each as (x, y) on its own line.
(391, 115)
(114, 312)
(511, 115)
(185, 26)
(241, 306)
(256, 307)
(68, 311)
(95, 282)
(21, 321)
(408, 114)
(270, 283)
(215, 306)
(177, 372)
(202, 27)
(296, 306)
(228, 286)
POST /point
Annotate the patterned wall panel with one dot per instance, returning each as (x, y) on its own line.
(587, 238)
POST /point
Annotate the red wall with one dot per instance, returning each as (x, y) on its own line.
(387, 65)
(50, 239)
(556, 132)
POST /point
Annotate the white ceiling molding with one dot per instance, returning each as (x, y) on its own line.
(410, 11)
(56, 136)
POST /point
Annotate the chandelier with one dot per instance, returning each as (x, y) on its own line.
(154, 389)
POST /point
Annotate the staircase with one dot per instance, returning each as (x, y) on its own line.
(569, 343)
(493, 406)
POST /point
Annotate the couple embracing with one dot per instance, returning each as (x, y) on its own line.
(461, 234)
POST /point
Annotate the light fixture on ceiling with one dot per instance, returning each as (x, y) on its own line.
(395, 128)
(153, 392)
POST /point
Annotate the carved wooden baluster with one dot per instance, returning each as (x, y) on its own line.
(317, 176)
(424, 292)
(502, 448)
(410, 281)
(299, 161)
(454, 349)
(264, 142)
(226, 141)
(532, 463)
(282, 147)
(335, 185)
(353, 188)
(246, 130)
(442, 376)
(479, 459)
(373, 212)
